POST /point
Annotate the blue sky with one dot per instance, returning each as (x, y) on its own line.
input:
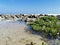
(30, 6)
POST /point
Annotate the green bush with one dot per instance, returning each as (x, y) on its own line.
(46, 24)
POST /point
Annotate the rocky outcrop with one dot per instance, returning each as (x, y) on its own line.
(23, 17)
(58, 16)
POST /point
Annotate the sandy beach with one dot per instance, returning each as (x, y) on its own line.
(14, 33)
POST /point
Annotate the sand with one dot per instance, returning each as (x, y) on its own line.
(14, 33)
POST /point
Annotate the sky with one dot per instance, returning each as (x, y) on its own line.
(30, 6)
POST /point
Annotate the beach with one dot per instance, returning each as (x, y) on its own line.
(14, 33)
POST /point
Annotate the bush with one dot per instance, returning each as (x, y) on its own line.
(47, 24)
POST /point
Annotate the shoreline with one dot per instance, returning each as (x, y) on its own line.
(14, 34)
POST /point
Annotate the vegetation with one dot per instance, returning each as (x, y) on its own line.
(31, 43)
(43, 43)
(47, 25)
